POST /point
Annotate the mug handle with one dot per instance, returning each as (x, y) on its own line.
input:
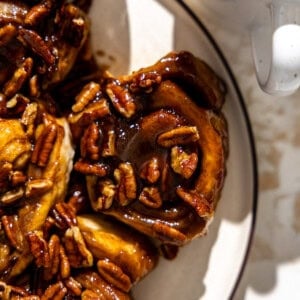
(276, 49)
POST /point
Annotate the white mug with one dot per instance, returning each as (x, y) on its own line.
(274, 27)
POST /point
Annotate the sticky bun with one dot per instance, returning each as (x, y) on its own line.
(99, 175)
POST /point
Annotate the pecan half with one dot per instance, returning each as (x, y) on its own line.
(105, 190)
(19, 77)
(54, 258)
(87, 168)
(13, 231)
(44, 145)
(37, 44)
(89, 146)
(64, 215)
(121, 99)
(96, 288)
(183, 163)
(150, 170)
(39, 248)
(126, 183)
(76, 250)
(197, 201)
(114, 274)
(89, 93)
(73, 286)
(95, 110)
(56, 291)
(11, 196)
(38, 187)
(178, 136)
(38, 12)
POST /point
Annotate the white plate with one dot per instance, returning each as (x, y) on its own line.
(135, 33)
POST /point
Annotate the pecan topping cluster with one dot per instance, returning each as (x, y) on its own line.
(99, 175)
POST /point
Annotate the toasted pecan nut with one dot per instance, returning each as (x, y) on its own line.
(126, 183)
(12, 231)
(37, 44)
(44, 145)
(78, 254)
(114, 275)
(150, 170)
(121, 100)
(183, 163)
(56, 291)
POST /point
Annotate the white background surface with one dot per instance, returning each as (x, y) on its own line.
(273, 269)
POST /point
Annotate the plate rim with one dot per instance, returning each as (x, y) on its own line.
(249, 129)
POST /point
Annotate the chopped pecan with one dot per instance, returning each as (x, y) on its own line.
(150, 196)
(76, 250)
(13, 232)
(178, 136)
(89, 93)
(126, 183)
(44, 145)
(150, 170)
(145, 82)
(29, 117)
(73, 25)
(86, 168)
(114, 274)
(64, 215)
(109, 144)
(89, 146)
(7, 33)
(12, 196)
(183, 163)
(39, 248)
(56, 291)
(34, 86)
(16, 105)
(121, 99)
(106, 191)
(37, 44)
(19, 77)
(38, 187)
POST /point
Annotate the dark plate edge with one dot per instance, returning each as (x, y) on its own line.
(250, 134)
